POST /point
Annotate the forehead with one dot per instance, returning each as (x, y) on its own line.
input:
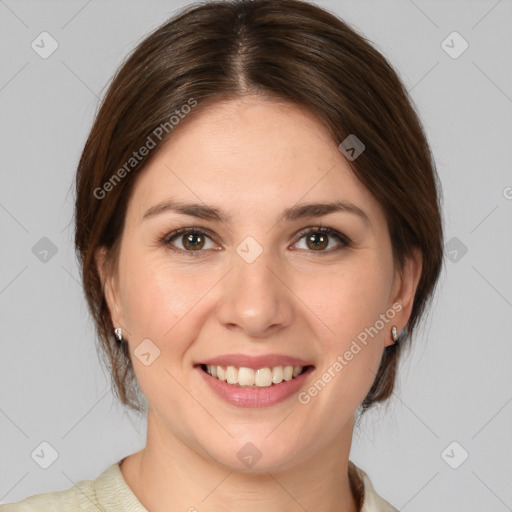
(253, 155)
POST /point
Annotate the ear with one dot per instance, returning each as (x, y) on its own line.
(405, 286)
(110, 287)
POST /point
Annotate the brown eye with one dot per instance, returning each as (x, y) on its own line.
(191, 240)
(319, 239)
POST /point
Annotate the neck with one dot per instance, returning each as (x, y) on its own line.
(169, 475)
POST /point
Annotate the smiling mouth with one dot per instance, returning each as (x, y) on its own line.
(244, 377)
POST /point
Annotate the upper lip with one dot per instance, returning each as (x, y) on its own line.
(255, 362)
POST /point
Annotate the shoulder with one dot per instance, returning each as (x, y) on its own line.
(81, 497)
(372, 502)
(108, 492)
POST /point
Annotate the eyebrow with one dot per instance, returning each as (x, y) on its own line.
(307, 210)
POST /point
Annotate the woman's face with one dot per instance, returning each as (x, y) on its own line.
(255, 285)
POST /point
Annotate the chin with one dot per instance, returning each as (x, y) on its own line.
(256, 454)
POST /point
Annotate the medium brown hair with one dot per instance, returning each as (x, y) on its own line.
(288, 50)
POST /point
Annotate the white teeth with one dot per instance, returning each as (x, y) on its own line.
(247, 377)
(263, 377)
(221, 373)
(231, 375)
(277, 374)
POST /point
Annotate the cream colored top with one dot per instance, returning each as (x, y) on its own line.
(110, 493)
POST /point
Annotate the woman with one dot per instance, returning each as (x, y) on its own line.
(258, 227)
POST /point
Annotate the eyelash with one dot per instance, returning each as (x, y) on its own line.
(325, 230)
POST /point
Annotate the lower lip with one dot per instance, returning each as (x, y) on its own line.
(255, 397)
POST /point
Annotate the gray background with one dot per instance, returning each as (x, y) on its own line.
(455, 386)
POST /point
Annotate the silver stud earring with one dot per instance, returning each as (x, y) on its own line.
(119, 333)
(394, 333)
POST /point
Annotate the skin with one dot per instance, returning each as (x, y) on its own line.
(251, 158)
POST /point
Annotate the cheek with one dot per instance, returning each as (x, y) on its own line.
(350, 302)
(349, 299)
(159, 300)
(161, 304)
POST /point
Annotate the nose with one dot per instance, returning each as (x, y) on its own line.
(255, 299)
